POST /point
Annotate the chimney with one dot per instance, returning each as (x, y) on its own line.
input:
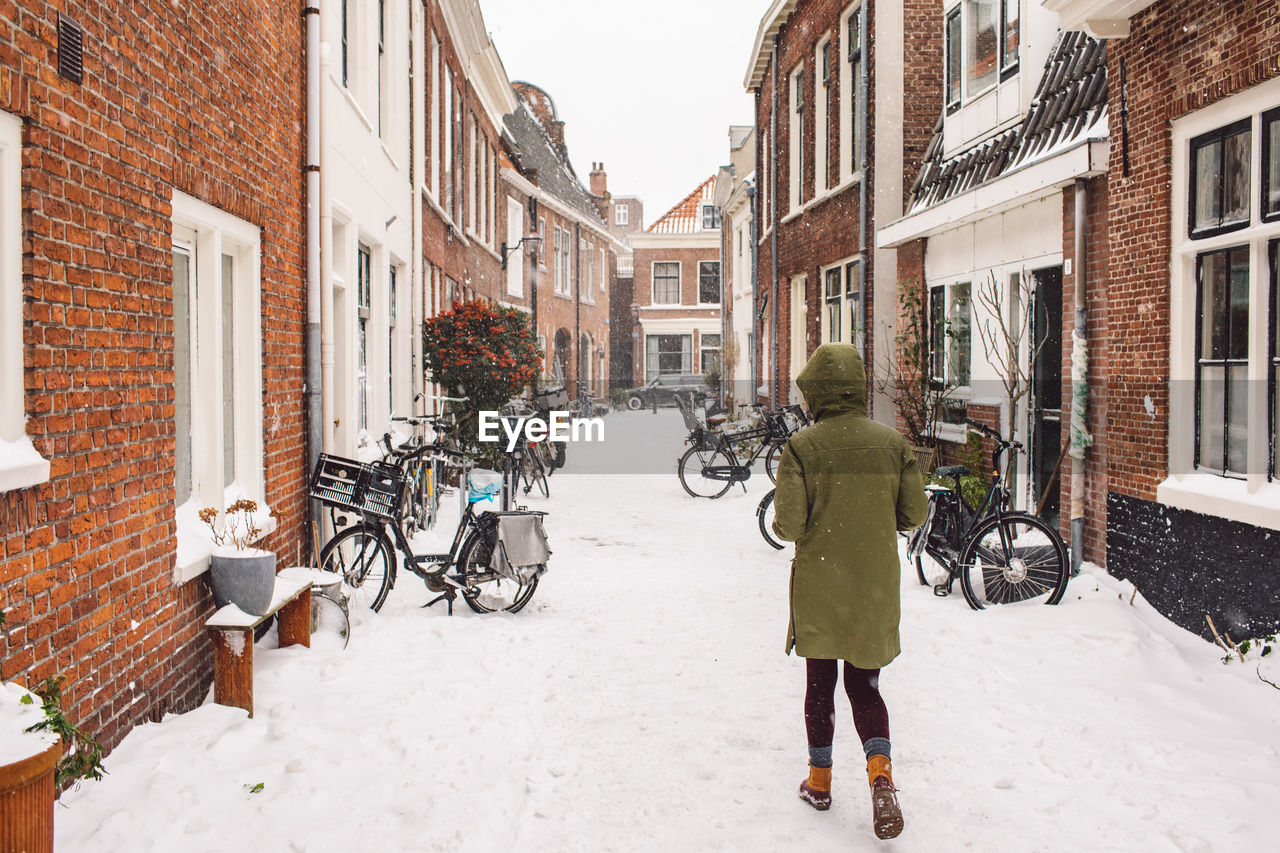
(599, 180)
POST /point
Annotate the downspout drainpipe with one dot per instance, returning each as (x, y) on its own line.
(753, 230)
(314, 403)
(576, 349)
(773, 226)
(1080, 439)
(725, 304)
(417, 174)
(864, 84)
(323, 214)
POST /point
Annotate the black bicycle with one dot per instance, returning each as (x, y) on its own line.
(368, 517)
(1000, 556)
(765, 514)
(711, 465)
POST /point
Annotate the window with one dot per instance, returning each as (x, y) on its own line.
(953, 59)
(854, 112)
(709, 282)
(217, 363)
(604, 270)
(666, 283)
(668, 354)
(821, 100)
(516, 262)
(563, 271)
(1220, 186)
(363, 301)
(588, 293)
(20, 464)
(542, 242)
(448, 140)
(433, 119)
(346, 55)
(709, 354)
(1271, 166)
(981, 44)
(1010, 39)
(950, 334)
(621, 215)
(795, 138)
(710, 217)
(382, 60)
(1222, 361)
(834, 297)
(853, 300)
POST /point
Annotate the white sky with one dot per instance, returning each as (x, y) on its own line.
(649, 88)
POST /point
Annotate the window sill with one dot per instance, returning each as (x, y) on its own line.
(847, 183)
(21, 466)
(355, 105)
(1238, 500)
(195, 545)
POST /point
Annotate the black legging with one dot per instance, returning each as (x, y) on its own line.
(870, 716)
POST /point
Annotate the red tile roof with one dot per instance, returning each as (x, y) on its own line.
(686, 217)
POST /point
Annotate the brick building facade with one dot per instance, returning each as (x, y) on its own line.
(128, 197)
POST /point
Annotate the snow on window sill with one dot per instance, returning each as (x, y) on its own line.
(1256, 503)
(195, 542)
(21, 466)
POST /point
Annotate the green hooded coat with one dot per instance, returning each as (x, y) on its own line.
(846, 486)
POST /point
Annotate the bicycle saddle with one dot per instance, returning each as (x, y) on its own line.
(952, 471)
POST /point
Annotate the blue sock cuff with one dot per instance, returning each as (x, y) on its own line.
(820, 756)
(876, 746)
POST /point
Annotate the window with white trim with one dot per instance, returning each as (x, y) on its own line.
(710, 217)
(982, 42)
(383, 73)
(709, 282)
(588, 292)
(20, 465)
(709, 353)
(217, 322)
(448, 140)
(666, 283)
(542, 243)
(621, 215)
(851, 85)
(433, 118)
(1229, 256)
(364, 288)
(795, 138)
(950, 334)
(604, 270)
(515, 262)
(842, 319)
(822, 90)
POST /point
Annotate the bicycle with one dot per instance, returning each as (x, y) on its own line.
(1000, 556)
(765, 514)
(365, 552)
(710, 466)
(425, 473)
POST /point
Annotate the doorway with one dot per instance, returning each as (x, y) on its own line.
(1046, 395)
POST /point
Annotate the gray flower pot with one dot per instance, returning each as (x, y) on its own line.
(246, 579)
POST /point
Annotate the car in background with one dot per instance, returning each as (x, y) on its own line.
(663, 389)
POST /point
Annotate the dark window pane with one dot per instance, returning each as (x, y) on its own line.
(1235, 178)
(937, 331)
(959, 330)
(1213, 307)
(1239, 271)
(1208, 177)
(709, 282)
(1011, 34)
(1211, 408)
(833, 283)
(1271, 189)
(953, 58)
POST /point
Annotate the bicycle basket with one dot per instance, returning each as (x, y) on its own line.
(555, 397)
(370, 489)
(483, 484)
(521, 552)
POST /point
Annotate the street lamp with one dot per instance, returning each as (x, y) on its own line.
(531, 243)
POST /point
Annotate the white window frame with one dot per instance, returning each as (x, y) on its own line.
(588, 292)
(621, 215)
(1254, 499)
(211, 233)
(433, 118)
(1002, 70)
(948, 287)
(720, 277)
(710, 214)
(604, 270)
(20, 465)
(515, 262)
(653, 283)
(821, 107)
(851, 60)
(848, 271)
(795, 137)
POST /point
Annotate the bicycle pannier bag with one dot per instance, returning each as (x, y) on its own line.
(483, 484)
(521, 552)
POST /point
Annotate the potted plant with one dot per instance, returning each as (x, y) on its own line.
(41, 751)
(241, 574)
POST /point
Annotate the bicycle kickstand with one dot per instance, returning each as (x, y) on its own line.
(447, 596)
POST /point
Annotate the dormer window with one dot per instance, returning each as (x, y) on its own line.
(1010, 39)
(982, 44)
(710, 217)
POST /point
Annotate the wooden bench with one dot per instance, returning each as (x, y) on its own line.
(232, 630)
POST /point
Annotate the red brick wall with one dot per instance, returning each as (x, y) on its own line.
(1180, 57)
(200, 97)
(688, 259)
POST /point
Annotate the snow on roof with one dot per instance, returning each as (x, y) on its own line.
(686, 217)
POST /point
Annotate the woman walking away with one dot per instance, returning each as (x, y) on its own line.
(846, 486)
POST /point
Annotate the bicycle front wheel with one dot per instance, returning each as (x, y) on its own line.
(771, 460)
(764, 517)
(366, 560)
(1011, 559)
(489, 591)
(692, 467)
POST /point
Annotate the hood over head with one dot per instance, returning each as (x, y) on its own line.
(834, 381)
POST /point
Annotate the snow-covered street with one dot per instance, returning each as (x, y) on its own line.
(643, 702)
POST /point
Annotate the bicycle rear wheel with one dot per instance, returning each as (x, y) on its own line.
(771, 460)
(366, 560)
(492, 591)
(691, 467)
(928, 570)
(764, 517)
(1011, 559)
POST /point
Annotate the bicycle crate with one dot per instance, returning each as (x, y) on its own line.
(550, 399)
(370, 489)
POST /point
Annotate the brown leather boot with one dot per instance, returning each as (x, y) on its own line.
(886, 814)
(816, 790)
